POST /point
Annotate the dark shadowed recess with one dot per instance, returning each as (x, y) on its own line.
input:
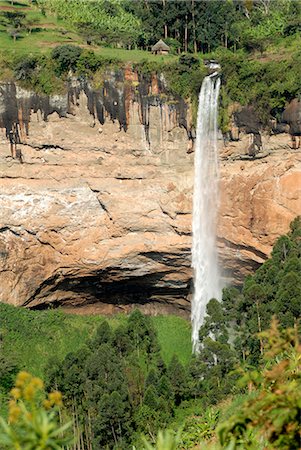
(95, 289)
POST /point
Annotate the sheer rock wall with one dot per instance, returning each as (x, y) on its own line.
(97, 212)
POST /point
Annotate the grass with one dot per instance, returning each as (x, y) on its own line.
(42, 42)
(17, 4)
(46, 31)
(36, 42)
(174, 335)
(33, 337)
(51, 31)
(132, 55)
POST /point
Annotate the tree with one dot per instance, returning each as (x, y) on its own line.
(151, 398)
(152, 378)
(104, 383)
(112, 22)
(288, 298)
(104, 335)
(26, 68)
(69, 376)
(274, 410)
(89, 32)
(122, 341)
(273, 289)
(254, 298)
(134, 374)
(142, 333)
(110, 424)
(178, 379)
(14, 21)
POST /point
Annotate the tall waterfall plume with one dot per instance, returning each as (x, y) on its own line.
(205, 205)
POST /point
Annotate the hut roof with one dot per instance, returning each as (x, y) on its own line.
(160, 45)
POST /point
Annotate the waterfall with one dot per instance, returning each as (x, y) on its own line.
(205, 205)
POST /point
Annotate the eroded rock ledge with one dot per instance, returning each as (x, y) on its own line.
(98, 216)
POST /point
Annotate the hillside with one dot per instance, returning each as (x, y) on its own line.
(35, 337)
(41, 30)
(259, 43)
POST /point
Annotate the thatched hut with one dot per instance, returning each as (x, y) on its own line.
(160, 48)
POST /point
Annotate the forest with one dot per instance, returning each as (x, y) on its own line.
(187, 26)
(243, 386)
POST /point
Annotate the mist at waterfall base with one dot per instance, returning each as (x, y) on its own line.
(207, 283)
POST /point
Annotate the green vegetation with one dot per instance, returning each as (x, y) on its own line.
(127, 377)
(34, 337)
(132, 376)
(118, 384)
(267, 84)
(256, 42)
(174, 337)
(166, 440)
(35, 31)
(33, 418)
(100, 21)
(187, 26)
(273, 411)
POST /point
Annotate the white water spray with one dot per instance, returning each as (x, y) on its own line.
(205, 204)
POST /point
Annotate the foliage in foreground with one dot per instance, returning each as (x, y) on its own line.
(33, 418)
(166, 440)
(270, 415)
(273, 412)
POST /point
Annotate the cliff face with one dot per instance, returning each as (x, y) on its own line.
(98, 211)
(259, 199)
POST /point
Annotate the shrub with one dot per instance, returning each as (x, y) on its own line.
(25, 68)
(8, 372)
(189, 61)
(33, 421)
(66, 57)
(292, 27)
(173, 44)
(46, 82)
(273, 412)
(88, 62)
(14, 18)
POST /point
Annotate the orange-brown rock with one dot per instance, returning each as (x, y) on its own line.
(259, 199)
(100, 217)
(97, 214)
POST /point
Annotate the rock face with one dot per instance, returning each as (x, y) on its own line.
(98, 215)
(259, 199)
